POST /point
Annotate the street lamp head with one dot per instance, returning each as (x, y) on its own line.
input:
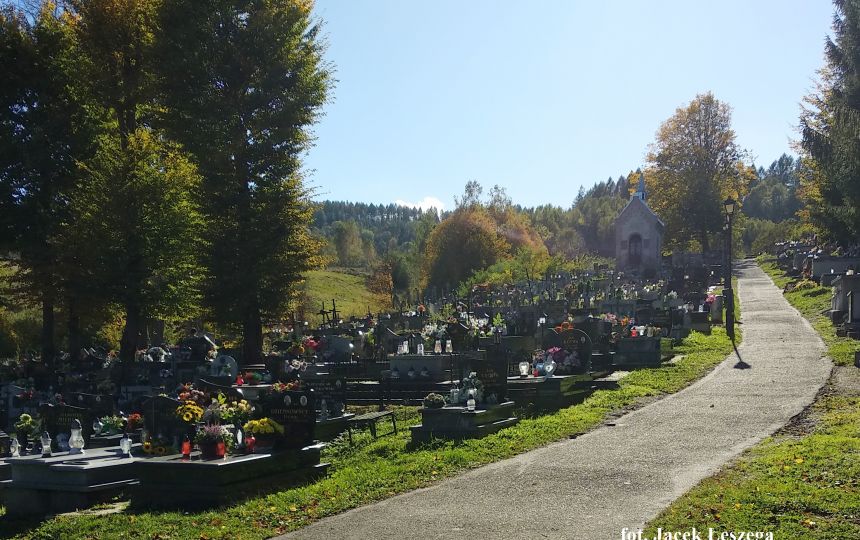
(729, 203)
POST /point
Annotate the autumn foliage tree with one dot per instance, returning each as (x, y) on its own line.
(477, 235)
(466, 241)
(693, 165)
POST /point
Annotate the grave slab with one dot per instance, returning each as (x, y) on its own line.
(65, 482)
(457, 423)
(174, 482)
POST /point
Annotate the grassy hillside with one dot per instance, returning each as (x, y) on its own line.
(347, 290)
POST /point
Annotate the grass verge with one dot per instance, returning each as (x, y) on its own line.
(795, 487)
(376, 469)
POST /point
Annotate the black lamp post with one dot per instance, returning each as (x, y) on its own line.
(727, 279)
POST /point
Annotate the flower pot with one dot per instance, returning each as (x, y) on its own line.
(212, 450)
(265, 443)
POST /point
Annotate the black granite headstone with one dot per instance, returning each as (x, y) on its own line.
(100, 405)
(296, 412)
(330, 388)
(493, 373)
(160, 420)
(57, 421)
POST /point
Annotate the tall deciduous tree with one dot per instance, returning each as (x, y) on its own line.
(47, 126)
(136, 211)
(694, 164)
(464, 242)
(243, 82)
(830, 123)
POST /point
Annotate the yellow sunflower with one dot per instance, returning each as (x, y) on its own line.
(187, 416)
(160, 450)
(147, 447)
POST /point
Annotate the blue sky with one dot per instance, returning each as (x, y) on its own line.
(542, 97)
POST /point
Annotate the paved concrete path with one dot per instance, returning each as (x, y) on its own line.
(620, 476)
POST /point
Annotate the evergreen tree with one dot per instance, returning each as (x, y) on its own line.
(830, 123)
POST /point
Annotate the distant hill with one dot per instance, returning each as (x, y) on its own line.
(348, 291)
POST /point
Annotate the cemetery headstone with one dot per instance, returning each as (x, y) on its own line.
(332, 390)
(296, 412)
(57, 421)
(576, 346)
(492, 371)
(100, 405)
(160, 420)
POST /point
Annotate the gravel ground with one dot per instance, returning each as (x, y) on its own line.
(621, 476)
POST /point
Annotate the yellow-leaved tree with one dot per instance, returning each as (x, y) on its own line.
(693, 165)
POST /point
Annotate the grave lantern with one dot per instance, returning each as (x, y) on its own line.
(76, 439)
(525, 367)
(46, 444)
(125, 445)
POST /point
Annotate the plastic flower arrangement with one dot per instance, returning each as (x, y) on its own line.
(157, 446)
(112, 424)
(135, 421)
(263, 426)
(27, 395)
(26, 425)
(187, 393)
(472, 382)
(189, 412)
(229, 411)
(297, 366)
(287, 387)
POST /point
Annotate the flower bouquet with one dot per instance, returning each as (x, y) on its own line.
(135, 421)
(189, 412)
(111, 425)
(265, 431)
(157, 446)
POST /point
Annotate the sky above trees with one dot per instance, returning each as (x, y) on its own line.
(543, 98)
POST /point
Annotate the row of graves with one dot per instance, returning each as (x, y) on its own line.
(838, 269)
(205, 444)
(561, 336)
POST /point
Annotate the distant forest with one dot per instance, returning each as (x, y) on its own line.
(360, 235)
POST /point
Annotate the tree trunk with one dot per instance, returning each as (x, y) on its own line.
(252, 334)
(73, 327)
(703, 238)
(131, 334)
(48, 349)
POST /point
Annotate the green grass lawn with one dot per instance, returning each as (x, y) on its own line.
(376, 469)
(347, 290)
(796, 487)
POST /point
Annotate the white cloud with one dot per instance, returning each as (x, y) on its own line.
(426, 203)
